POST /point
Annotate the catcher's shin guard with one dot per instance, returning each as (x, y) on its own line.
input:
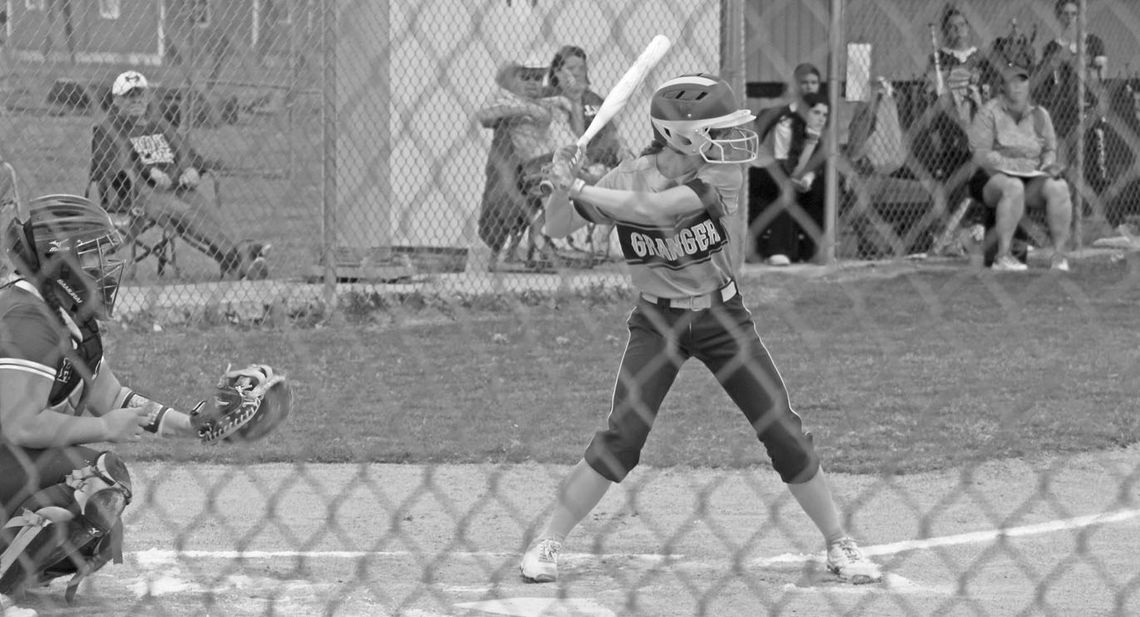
(28, 537)
(71, 528)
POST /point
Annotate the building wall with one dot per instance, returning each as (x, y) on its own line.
(441, 64)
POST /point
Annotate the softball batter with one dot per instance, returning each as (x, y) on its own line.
(669, 207)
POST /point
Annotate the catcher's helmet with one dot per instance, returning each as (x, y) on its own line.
(698, 114)
(73, 240)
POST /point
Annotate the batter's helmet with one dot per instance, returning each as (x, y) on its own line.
(698, 114)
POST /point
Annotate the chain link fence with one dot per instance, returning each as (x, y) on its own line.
(354, 147)
(914, 78)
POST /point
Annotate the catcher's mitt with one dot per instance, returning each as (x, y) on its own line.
(248, 404)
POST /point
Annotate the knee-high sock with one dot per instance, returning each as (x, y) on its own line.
(817, 502)
(579, 493)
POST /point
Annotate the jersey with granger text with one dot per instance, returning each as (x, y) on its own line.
(690, 256)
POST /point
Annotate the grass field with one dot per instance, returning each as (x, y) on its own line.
(924, 370)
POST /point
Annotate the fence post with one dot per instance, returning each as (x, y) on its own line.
(732, 65)
(1079, 160)
(328, 148)
(826, 253)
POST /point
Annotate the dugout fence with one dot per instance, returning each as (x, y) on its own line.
(346, 135)
(350, 140)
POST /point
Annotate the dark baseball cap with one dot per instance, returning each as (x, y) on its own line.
(1017, 69)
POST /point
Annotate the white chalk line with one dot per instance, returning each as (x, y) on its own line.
(586, 607)
(975, 537)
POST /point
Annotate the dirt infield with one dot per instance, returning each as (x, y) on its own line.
(1054, 536)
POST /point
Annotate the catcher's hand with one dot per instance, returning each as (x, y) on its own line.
(248, 404)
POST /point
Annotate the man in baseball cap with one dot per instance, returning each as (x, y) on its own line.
(1016, 68)
(141, 163)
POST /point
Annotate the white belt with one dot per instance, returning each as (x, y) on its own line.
(695, 303)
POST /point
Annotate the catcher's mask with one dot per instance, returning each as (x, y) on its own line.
(65, 247)
(698, 114)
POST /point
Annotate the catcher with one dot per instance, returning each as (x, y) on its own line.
(63, 499)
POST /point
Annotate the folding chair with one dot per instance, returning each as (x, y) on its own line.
(133, 223)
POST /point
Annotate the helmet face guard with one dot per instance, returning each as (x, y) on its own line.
(88, 277)
(719, 141)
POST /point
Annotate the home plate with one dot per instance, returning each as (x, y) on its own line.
(547, 607)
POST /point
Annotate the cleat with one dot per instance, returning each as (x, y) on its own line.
(540, 563)
(1006, 263)
(845, 560)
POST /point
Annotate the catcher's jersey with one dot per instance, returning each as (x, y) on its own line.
(689, 257)
(35, 342)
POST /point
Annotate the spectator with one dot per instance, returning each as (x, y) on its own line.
(569, 77)
(956, 68)
(140, 163)
(1057, 75)
(788, 174)
(1111, 170)
(528, 126)
(539, 123)
(1014, 146)
(957, 84)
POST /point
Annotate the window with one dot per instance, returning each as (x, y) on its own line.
(110, 9)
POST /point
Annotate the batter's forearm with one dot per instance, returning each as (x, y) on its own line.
(660, 207)
(560, 220)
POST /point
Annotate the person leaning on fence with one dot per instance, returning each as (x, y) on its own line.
(63, 491)
(1014, 148)
(569, 76)
(528, 123)
(956, 85)
(1057, 74)
(673, 207)
(140, 164)
(785, 181)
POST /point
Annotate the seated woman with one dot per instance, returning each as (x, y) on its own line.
(1015, 148)
(786, 199)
